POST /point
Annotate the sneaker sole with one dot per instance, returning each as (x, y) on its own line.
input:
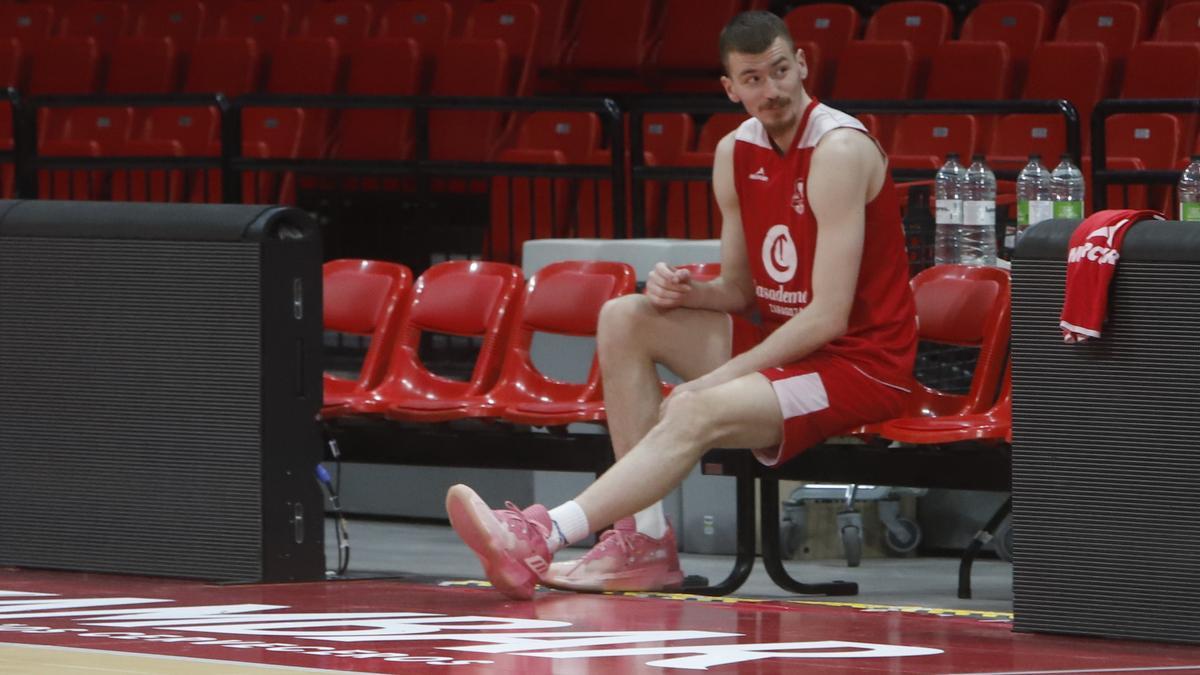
(510, 577)
(616, 583)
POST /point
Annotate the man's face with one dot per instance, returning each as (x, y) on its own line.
(770, 85)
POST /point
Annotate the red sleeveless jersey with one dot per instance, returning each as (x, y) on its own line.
(781, 237)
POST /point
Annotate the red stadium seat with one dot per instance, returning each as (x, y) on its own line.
(347, 21)
(12, 62)
(142, 65)
(267, 21)
(226, 65)
(1020, 24)
(307, 65)
(30, 22)
(1116, 24)
(1148, 9)
(831, 27)
(966, 306)
(98, 19)
(516, 23)
(667, 135)
(1075, 71)
(1016, 137)
(1120, 196)
(875, 70)
(524, 208)
(181, 20)
(1180, 23)
(557, 22)
(65, 65)
(970, 71)
(436, 307)
(923, 141)
(109, 127)
(716, 127)
(562, 298)
(195, 129)
(922, 23)
(427, 22)
(613, 44)
(1165, 70)
(993, 424)
(575, 134)
(267, 133)
(692, 210)
(86, 132)
(368, 298)
(384, 67)
(683, 60)
(1154, 140)
(468, 68)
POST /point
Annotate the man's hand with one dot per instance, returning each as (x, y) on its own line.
(668, 287)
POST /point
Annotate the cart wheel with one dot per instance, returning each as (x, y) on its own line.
(852, 544)
(907, 541)
(1003, 540)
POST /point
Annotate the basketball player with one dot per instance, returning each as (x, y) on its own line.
(812, 238)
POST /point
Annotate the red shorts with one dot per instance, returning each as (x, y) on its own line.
(820, 396)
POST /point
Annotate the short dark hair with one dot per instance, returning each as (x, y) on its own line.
(752, 33)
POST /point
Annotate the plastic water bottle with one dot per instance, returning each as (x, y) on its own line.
(1066, 182)
(1189, 191)
(977, 243)
(1035, 202)
(947, 192)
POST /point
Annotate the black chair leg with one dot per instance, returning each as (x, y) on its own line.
(982, 537)
(744, 562)
(772, 550)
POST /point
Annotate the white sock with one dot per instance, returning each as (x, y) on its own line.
(568, 525)
(651, 521)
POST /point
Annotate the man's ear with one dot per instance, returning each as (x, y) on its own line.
(802, 64)
(728, 84)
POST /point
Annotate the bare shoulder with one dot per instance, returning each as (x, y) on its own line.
(846, 145)
(725, 145)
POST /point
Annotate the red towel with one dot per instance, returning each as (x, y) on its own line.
(1091, 261)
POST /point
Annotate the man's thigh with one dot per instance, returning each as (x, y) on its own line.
(690, 342)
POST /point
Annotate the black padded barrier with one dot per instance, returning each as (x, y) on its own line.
(1106, 465)
(159, 380)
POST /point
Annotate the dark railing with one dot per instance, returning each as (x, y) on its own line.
(1102, 177)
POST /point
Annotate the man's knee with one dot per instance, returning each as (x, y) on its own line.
(620, 320)
(694, 417)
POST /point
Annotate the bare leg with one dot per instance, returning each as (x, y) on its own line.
(743, 413)
(632, 337)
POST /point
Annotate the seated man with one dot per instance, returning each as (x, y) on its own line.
(812, 236)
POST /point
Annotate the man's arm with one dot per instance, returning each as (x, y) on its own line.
(845, 167)
(733, 291)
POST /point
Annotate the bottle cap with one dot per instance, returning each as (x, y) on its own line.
(1196, 158)
(1035, 156)
(977, 157)
(951, 155)
(1066, 156)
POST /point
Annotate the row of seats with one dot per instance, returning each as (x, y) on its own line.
(957, 305)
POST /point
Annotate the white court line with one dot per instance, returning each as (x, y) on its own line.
(166, 657)
(1147, 669)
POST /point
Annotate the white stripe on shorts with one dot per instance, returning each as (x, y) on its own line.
(801, 395)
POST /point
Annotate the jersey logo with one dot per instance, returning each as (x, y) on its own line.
(761, 174)
(798, 198)
(779, 254)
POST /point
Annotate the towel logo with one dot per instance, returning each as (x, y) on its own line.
(1102, 255)
(779, 254)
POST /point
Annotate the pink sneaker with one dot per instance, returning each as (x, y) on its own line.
(510, 543)
(624, 560)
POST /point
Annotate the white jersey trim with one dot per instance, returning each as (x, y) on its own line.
(752, 131)
(824, 119)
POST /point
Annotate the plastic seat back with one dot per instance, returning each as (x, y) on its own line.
(691, 29)
(427, 22)
(97, 19)
(922, 23)
(468, 68)
(366, 298)
(691, 207)
(307, 65)
(1116, 24)
(875, 70)
(515, 22)
(437, 307)
(267, 21)
(181, 20)
(923, 141)
(1179, 23)
(965, 306)
(149, 185)
(667, 135)
(613, 34)
(1165, 70)
(1076, 71)
(575, 134)
(228, 65)
(12, 63)
(142, 65)
(30, 22)
(831, 27)
(716, 127)
(1016, 137)
(970, 71)
(347, 21)
(195, 129)
(562, 298)
(65, 65)
(1155, 141)
(1020, 24)
(386, 67)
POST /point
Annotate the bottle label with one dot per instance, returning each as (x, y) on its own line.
(1189, 211)
(1073, 210)
(981, 212)
(1040, 210)
(1022, 213)
(949, 211)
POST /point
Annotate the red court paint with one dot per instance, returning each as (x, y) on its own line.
(399, 627)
